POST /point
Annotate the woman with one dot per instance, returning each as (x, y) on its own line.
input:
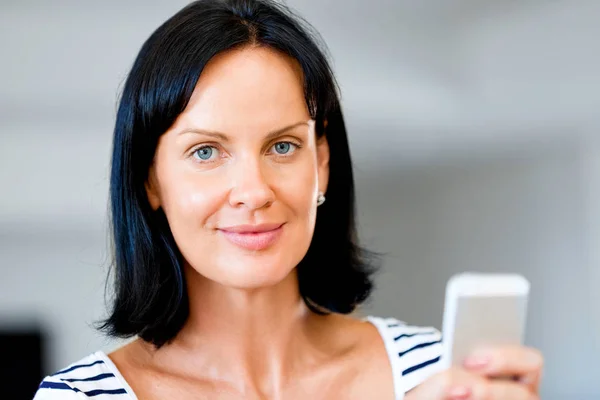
(233, 273)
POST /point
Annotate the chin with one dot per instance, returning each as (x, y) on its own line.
(253, 272)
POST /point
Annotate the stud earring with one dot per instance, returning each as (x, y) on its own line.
(320, 199)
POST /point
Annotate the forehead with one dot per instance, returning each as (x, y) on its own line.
(247, 90)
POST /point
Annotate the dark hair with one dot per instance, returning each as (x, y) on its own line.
(150, 298)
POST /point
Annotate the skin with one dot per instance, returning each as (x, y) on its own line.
(249, 334)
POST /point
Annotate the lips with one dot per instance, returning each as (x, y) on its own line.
(252, 228)
(253, 237)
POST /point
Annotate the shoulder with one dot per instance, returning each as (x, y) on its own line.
(89, 377)
(414, 352)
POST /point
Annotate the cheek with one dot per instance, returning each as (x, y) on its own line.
(299, 199)
(189, 201)
(297, 188)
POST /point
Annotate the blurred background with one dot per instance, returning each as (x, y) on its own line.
(474, 128)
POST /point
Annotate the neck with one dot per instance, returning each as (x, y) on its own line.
(254, 340)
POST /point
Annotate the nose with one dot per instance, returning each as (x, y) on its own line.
(250, 188)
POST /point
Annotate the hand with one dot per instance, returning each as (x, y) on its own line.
(484, 376)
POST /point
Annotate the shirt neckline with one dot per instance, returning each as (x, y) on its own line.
(113, 368)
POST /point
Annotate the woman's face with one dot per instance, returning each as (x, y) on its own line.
(242, 158)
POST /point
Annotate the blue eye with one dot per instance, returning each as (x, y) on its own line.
(283, 147)
(204, 153)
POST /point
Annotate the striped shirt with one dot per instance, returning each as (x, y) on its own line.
(414, 353)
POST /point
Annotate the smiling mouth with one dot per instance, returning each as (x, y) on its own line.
(258, 237)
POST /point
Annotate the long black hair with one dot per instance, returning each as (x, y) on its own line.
(150, 295)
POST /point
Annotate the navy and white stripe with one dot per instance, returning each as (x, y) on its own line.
(92, 377)
(414, 354)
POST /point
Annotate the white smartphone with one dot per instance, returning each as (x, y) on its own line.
(483, 309)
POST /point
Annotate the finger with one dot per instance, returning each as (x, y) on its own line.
(462, 385)
(458, 384)
(452, 384)
(532, 381)
(524, 363)
(468, 386)
(502, 390)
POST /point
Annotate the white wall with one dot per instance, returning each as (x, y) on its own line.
(54, 279)
(591, 162)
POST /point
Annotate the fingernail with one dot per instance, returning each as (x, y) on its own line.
(477, 361)
(459, 393)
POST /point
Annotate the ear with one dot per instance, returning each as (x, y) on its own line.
(323, 163)
(152, 189)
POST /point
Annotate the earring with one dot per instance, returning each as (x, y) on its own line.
(320, 199)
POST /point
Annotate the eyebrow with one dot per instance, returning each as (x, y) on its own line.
(225, 138)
